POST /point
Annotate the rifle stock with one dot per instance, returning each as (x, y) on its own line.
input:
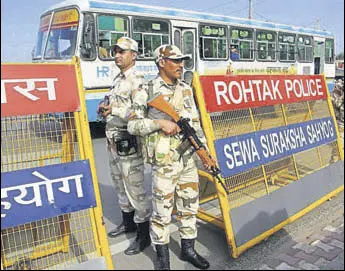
(160, 104)
(189, 133)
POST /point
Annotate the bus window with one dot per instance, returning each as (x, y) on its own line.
(110, 29)
(177, 38)
(214, 42)
(305, 48)
(243, 41)
(42, 36)
(150, 34)
(88, 49)
(287, 47)
(266, 45)
(63, 34)
(329, 54)
(188, 48)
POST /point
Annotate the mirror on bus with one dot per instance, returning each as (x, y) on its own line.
(87, 47)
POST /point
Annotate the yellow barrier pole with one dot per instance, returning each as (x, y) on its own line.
(293, 156)
(207, 127)
(262, 167)
(331, 110)
(85, 132)
(318, 148)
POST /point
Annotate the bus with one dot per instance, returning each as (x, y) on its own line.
(218, 44)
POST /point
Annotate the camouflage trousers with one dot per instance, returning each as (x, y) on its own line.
(168, 180)
(127, 174)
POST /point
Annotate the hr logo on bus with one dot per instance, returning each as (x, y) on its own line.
(102, 71)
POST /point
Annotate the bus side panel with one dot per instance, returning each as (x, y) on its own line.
(98, 74)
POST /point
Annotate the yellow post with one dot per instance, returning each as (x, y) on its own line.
(103, 246)
(331, 110)
(207, 126)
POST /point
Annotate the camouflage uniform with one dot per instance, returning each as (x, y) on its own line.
(127, 170)
(170, 173)
(338, 100)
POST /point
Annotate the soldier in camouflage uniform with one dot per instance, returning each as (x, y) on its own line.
(338, 100)
(173, 171)
(125, 156)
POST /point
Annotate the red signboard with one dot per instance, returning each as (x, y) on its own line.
(226, 93)
(38, 88)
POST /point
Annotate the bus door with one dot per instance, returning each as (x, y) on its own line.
(184, 38)
(319, 56)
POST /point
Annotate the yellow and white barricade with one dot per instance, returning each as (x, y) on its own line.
(51, 213)
(278, 147)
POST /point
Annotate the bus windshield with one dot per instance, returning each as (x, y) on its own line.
(61, 39)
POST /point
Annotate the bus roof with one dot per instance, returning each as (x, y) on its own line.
(139, 9)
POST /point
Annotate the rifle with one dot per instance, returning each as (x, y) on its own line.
(189, 135)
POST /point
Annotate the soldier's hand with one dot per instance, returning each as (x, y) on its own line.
(211, 164)
(100, 107)
(106, 110)
(168, 127)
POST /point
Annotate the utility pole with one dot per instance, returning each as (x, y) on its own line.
(317, 23)
(250, 9)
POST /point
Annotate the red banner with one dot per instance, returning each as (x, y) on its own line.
(38, 88)
(226, 93)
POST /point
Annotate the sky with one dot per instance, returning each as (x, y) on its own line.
(20, 18)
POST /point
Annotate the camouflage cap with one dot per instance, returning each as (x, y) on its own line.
(126, 43)
(169, 51)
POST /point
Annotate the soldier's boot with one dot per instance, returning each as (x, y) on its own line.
(190, 255)
(142, 239)
(163, 259)
(127, 225)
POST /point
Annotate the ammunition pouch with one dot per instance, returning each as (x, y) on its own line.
(126, 144)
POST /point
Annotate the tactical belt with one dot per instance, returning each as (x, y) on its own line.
(126, 144)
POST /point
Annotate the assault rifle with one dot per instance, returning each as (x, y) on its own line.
(189, 135)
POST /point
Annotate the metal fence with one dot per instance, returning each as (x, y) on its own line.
(258, 182)
(63, 241)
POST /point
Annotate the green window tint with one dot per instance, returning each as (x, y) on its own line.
(165, 39)
(266, 45)
(115, 37)
(150, 43)
(213, 31)
(287, 47)
(234, 34)
(214, 43)
(309, 53)
(112, 23)
(241, 44)
(110, 29)
(305, 48)
(329, 53)
(222, 49)
(188, 48)
(150, 34)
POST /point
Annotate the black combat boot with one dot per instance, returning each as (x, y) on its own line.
(190, 255)
(142, 240)
(163, 259)
(127, 225)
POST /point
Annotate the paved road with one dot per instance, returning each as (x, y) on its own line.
(315, 241)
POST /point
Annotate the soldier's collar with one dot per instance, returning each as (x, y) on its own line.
(163, 83)
(127, 73)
